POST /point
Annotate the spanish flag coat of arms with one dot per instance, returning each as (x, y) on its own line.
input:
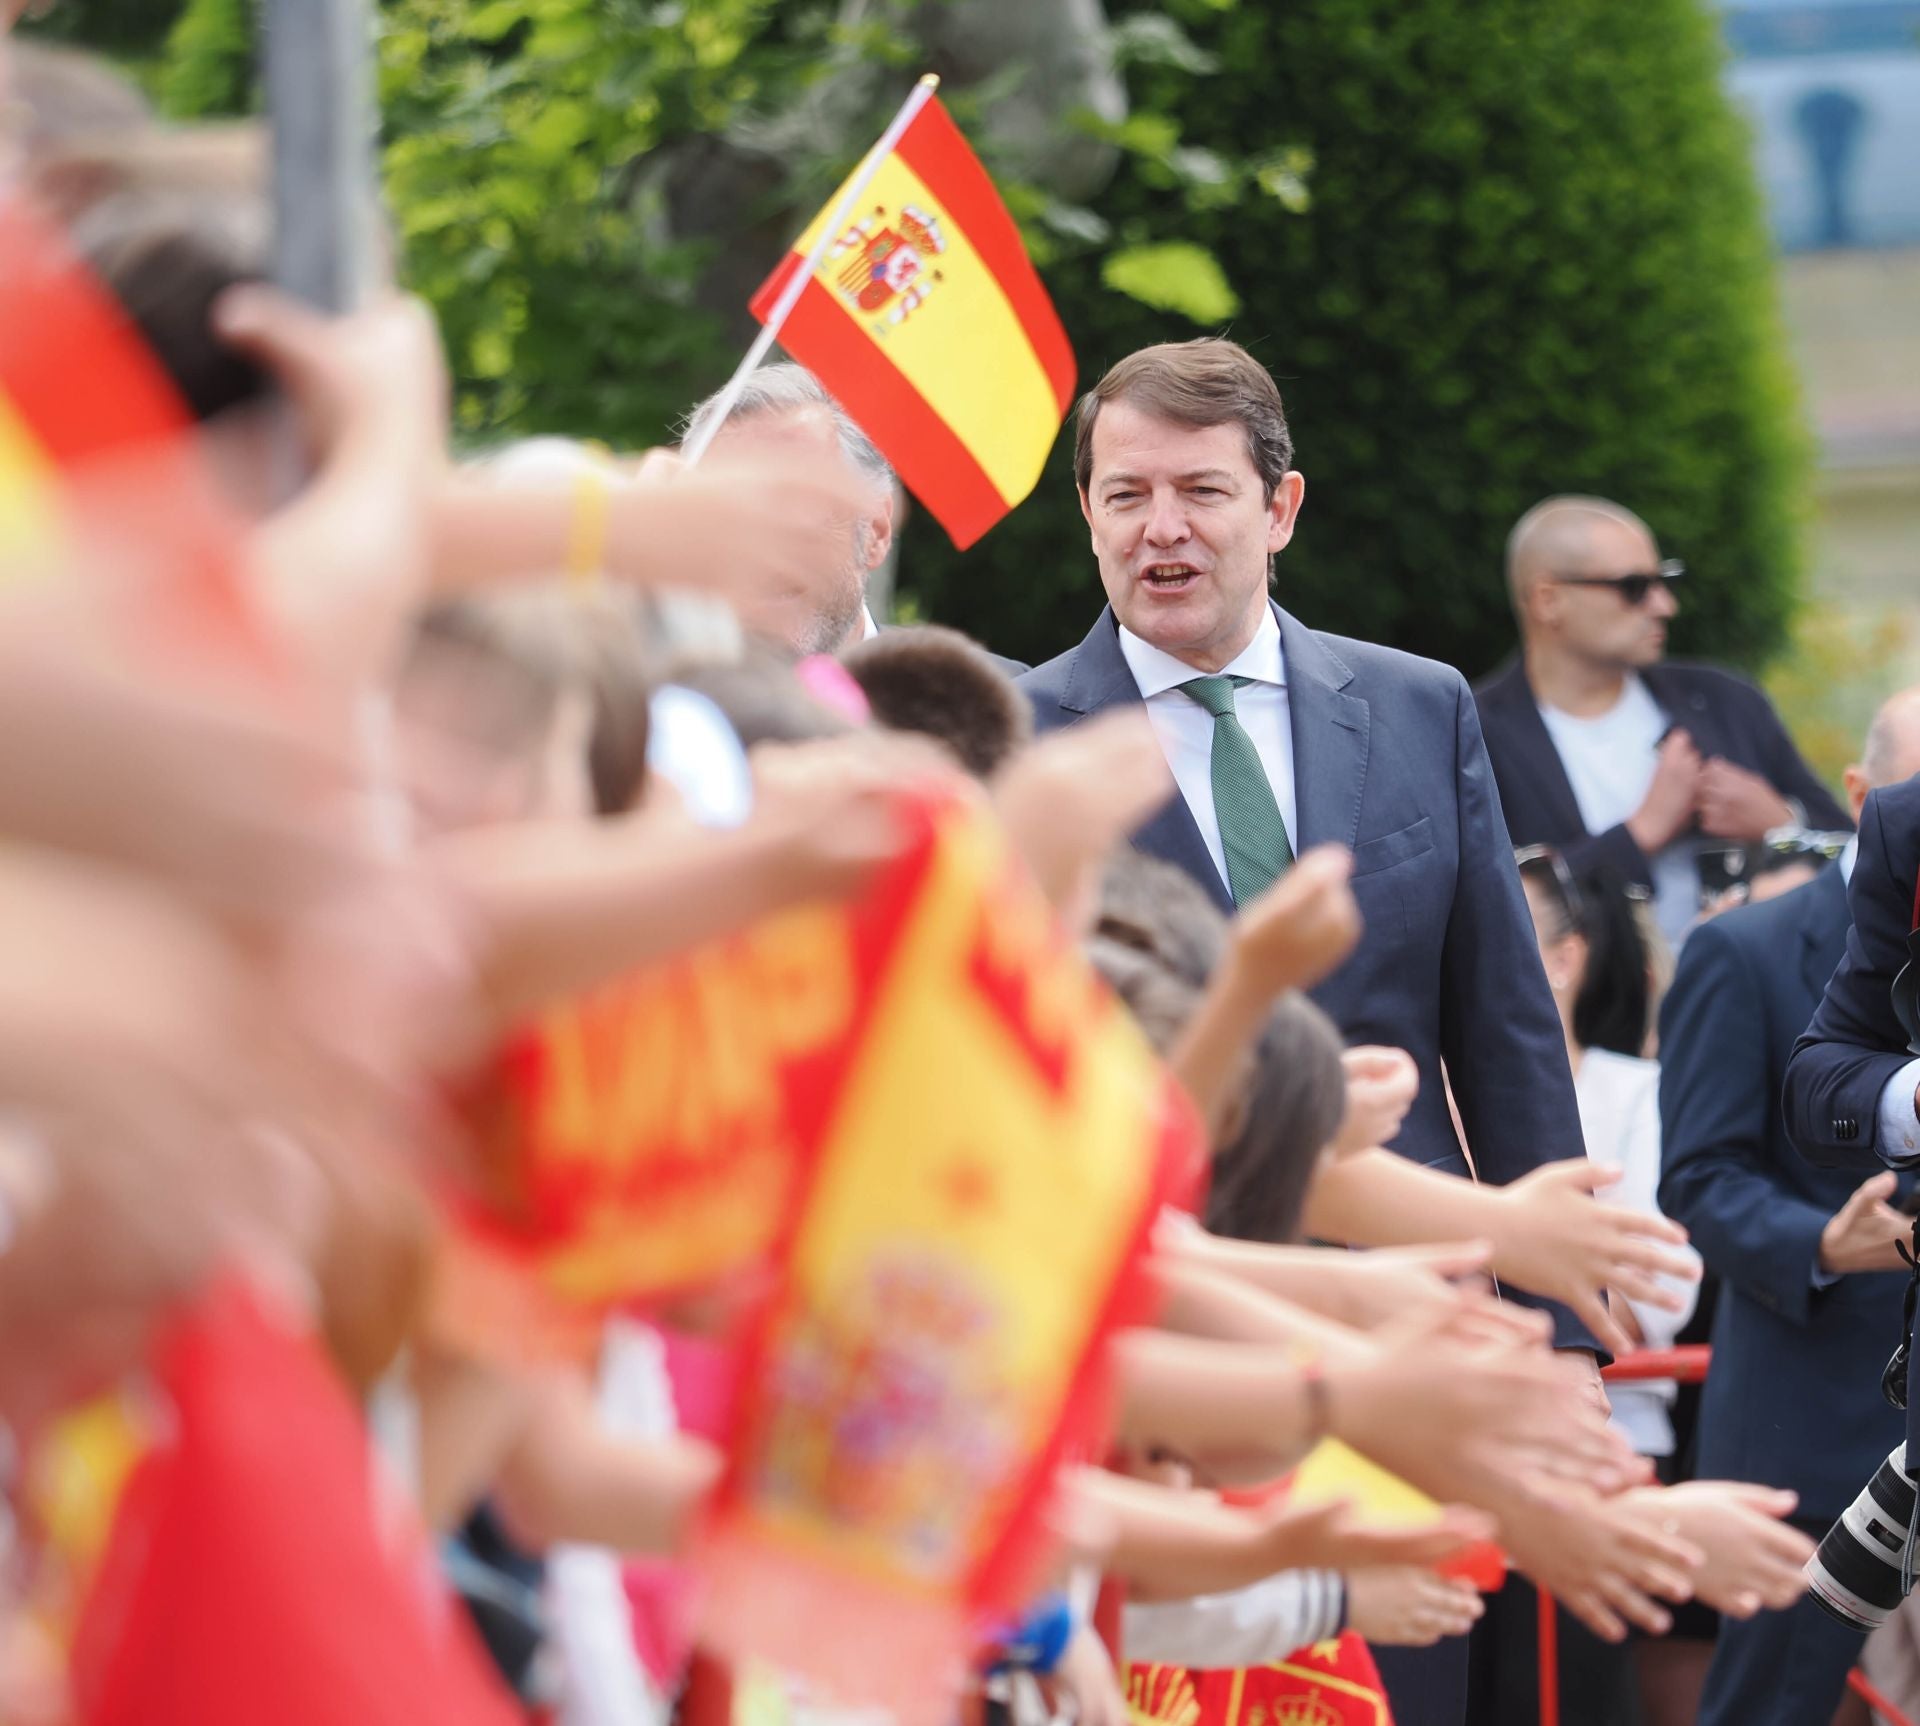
(926, 319)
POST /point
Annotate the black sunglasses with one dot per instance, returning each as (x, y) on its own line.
(1633, 589)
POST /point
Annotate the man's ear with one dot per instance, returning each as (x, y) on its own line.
(1538, 605)
(1854, 782)
(876, 530)
(1284, 511)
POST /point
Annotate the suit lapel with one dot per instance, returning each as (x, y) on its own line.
(1823, 929)
(1099, 680)
(1516, 700)
(1332, 737)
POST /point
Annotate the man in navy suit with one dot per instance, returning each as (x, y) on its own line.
(1810, 1300)
(1280, 738)
(1853, 1084)
(1666, 773)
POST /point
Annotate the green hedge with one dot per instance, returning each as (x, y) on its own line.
(1534, 262)
(1492, 251)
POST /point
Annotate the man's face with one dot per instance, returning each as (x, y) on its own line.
(1598, 623)
(1183, 531)
(819, 612)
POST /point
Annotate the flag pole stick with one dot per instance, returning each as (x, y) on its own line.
(830, 231)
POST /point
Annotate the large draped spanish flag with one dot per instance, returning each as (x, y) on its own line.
(928, 322)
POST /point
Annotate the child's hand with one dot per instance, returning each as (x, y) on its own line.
(1069, 799)
(1334, 1537)
(1381, 1086)
(1600, 1558)
(1404, 1606)
(1754, 1560)
(1559, 1242)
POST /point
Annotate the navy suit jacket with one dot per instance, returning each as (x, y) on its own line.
(1794, 1398)
(1854, 1044)
(1725, 715)
(1388, 761)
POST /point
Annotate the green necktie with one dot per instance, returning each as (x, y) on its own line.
(1252, 833)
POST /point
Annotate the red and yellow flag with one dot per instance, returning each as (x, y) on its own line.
(100, 467)
(640, 1142)
(76, 383)
(928, 1120)
(928, 322)
(1333, 1683)
(984, 1169)
(228, 1556)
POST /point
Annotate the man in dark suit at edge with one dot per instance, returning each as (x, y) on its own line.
(1281, 738)
(1808, 1258)
(1666, 773)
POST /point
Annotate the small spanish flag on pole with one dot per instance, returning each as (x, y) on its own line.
(913, 300)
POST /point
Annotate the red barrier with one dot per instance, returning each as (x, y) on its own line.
(1686, 1364)
(1858, 1683)
(1549, 1661)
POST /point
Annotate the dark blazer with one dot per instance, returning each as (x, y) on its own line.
(1854, 1044)
(1726, 716)
(1794, 1398)
(1388, 761)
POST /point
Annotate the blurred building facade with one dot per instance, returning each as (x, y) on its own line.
(1833, 91)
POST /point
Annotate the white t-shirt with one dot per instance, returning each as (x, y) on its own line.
(1610, 761)
(1619, 1099)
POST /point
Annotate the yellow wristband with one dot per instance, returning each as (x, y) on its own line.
(587, 535)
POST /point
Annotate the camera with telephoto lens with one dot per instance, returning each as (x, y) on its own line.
(1864, 1566)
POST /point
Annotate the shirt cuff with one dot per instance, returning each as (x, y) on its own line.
(1899, 1127)
(1823, 1278)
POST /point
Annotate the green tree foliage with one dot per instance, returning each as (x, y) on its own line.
(1533, 262)
(124, 29)
(1491, 251)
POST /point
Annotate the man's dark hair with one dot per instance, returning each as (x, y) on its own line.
(1206, 382)
(941, 684)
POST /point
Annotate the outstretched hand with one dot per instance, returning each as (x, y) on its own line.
(1555, 1240)
(1300, 928)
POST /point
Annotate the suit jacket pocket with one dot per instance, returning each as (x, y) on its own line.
(1373, 856)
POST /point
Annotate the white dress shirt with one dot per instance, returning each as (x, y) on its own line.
(1185, 728)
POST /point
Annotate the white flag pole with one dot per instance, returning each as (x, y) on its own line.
(797, 283)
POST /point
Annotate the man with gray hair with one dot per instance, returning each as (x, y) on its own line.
(824, 610)
(1808, 1258)
(1665, 772)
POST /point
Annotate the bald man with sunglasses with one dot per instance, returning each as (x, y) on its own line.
(1670, 773)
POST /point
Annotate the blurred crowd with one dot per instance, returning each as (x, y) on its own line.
(340, 758)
